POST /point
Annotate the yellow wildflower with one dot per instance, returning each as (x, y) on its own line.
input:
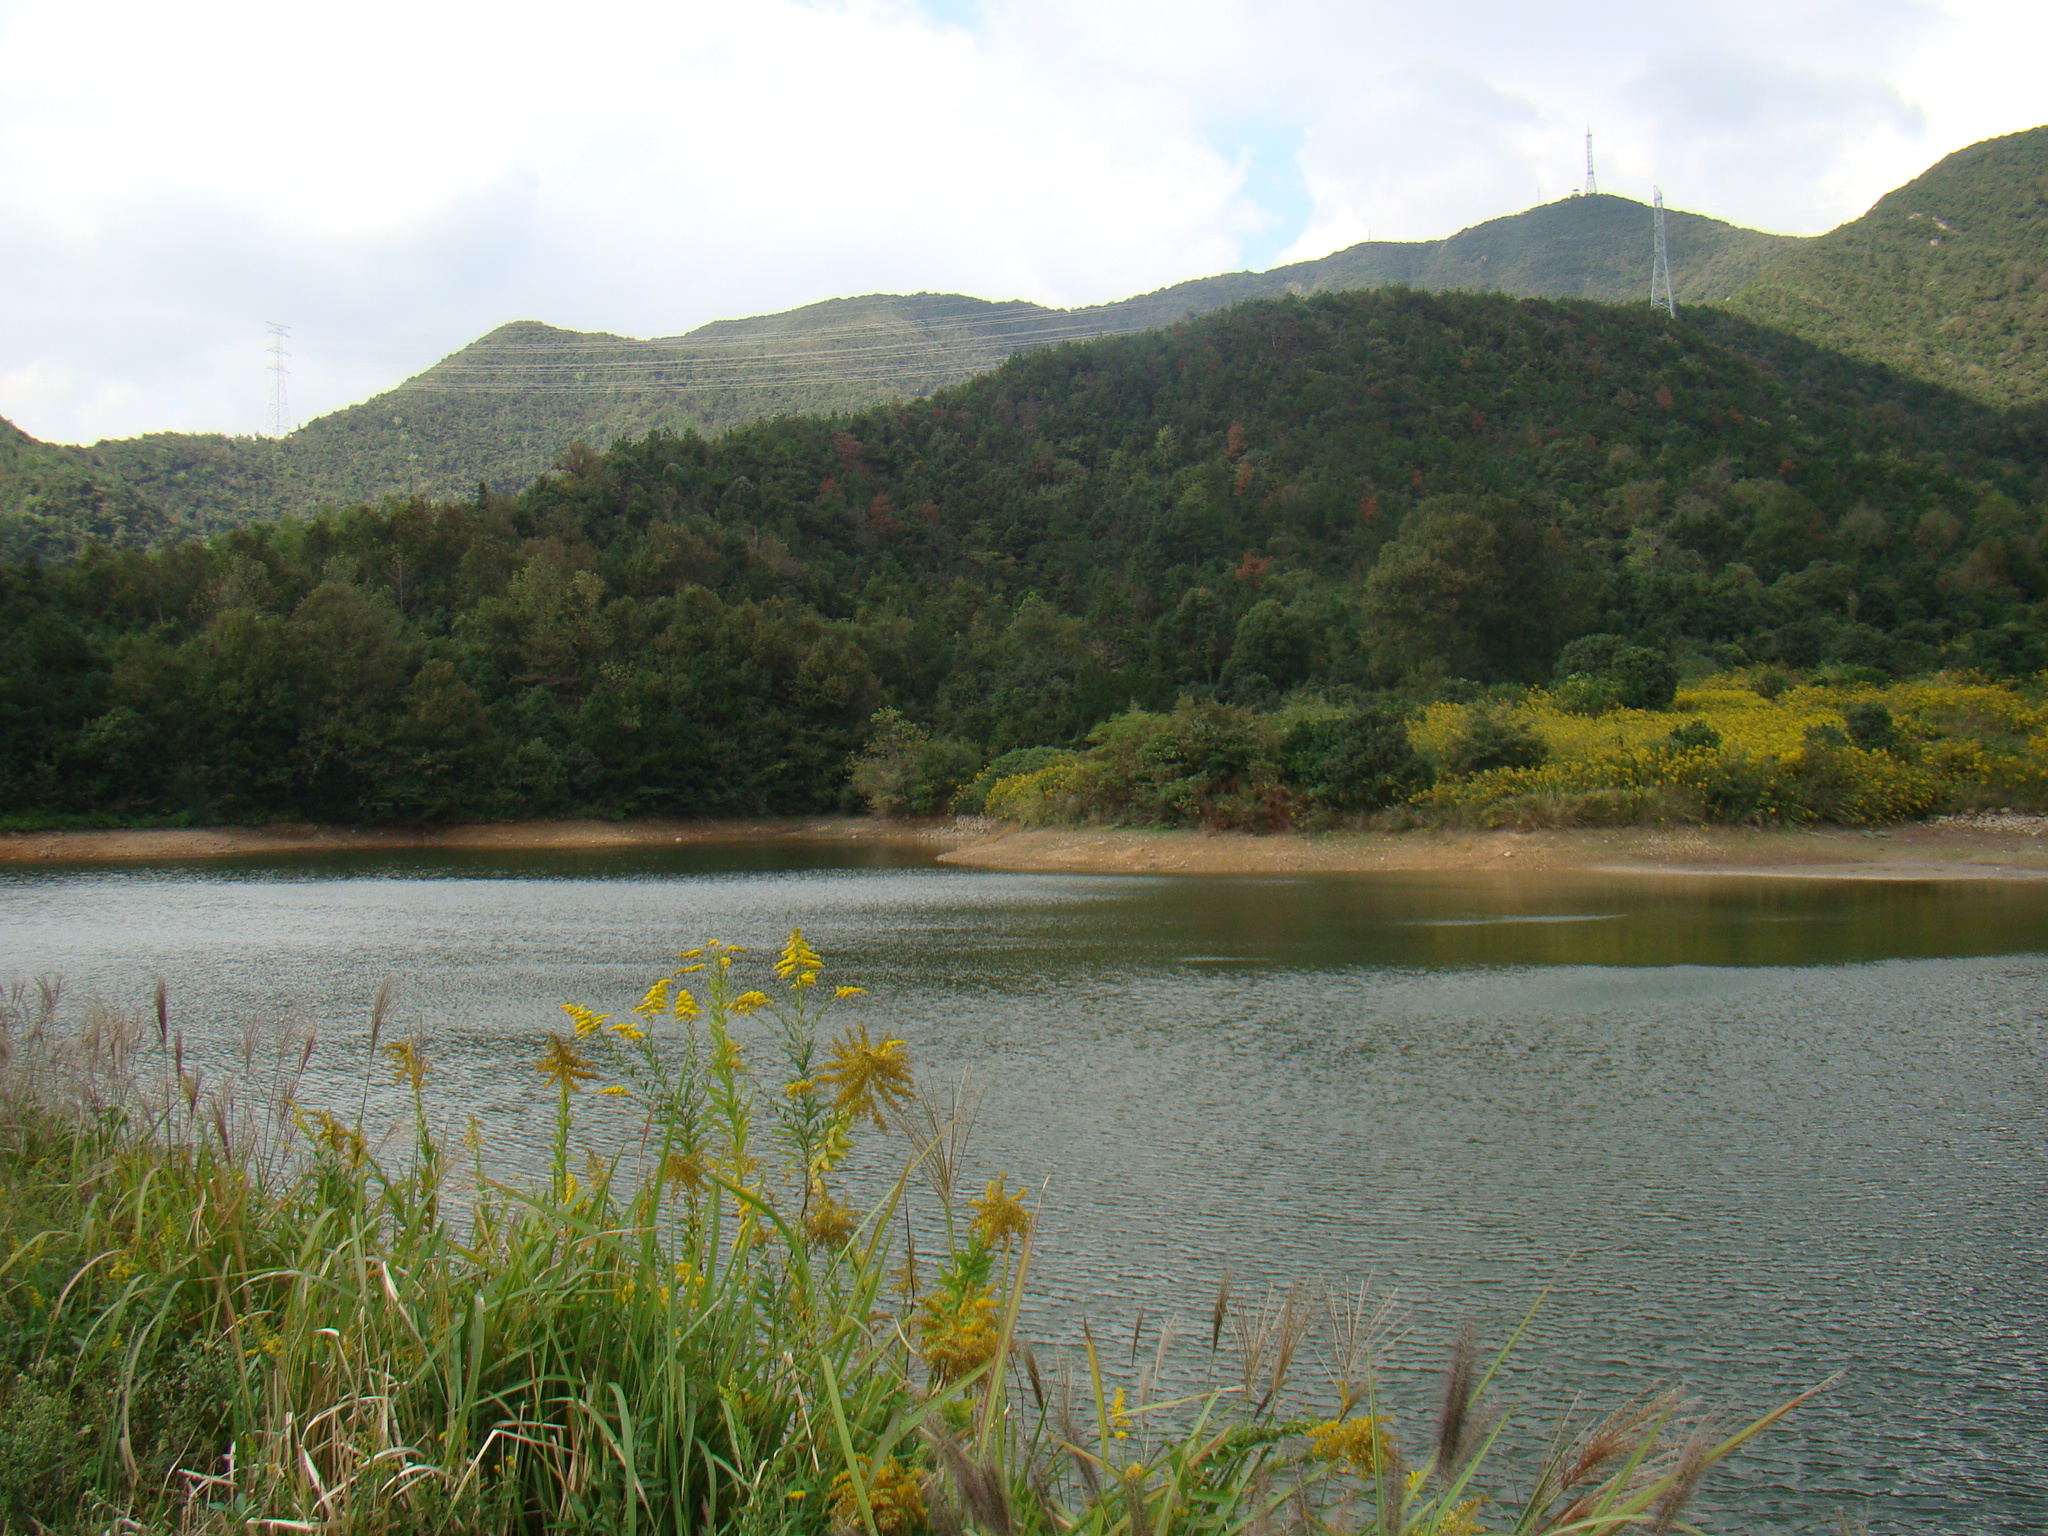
(560, 1065)
(747, 1002)
(1360, 1445)
(842, 993)
(827, 1223)
(800, 1089)
(656, 1000)
(685, 1006)
(587, 1023)
(1119, 1416)
(999, 1216)
(684, 1168)
(615, 1091)
(407, 1064)
(895, 1498)
(627, 1031)
(958, 1335)
(868, 1076)
(797, 957)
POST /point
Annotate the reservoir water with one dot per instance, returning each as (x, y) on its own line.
(1751, 1133)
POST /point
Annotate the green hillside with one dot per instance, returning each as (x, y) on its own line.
(502, 408)
(1945, 279)
(1321, 496)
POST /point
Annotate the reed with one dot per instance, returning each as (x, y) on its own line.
(227, 1309)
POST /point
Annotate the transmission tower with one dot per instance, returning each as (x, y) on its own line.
(1592, 185)
(280, 370)
(1661, 296)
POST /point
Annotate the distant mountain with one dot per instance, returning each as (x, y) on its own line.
(1945, 279)
(501, 409)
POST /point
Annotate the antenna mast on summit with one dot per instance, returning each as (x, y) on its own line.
(1592, 186)
(280, 370)
(1661, 296)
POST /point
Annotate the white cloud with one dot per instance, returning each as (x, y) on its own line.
(396, 176)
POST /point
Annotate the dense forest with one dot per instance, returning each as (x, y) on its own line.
(1389, 496)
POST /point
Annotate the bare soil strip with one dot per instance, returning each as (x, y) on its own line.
(2002, 849)
(1992, 847)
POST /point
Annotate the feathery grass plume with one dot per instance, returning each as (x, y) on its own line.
(1454, 1423)
(1695, 1458)
(1220, 1311)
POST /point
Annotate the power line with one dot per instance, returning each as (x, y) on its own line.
(280, 370)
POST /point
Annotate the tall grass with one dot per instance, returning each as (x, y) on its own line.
(227, 1309)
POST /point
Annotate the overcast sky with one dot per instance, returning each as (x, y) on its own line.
(394, 177)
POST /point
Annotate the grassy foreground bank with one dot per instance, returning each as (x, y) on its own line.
(227, 1309)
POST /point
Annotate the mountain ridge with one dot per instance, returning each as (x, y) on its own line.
(1945, 278)
(501, 409)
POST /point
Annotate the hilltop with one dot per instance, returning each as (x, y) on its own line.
(500, 409)
(1945, 279)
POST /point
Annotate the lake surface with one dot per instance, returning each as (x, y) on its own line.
(1755, 1132)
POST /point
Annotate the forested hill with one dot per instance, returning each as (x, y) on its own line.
(1337, 494)
(1946, 278)
(501, 408)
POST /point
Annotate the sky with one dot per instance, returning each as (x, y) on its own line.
(393, 178)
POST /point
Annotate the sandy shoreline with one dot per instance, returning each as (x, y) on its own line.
(1983, 848)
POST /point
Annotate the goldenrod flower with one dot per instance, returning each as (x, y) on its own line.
(828, 1224)
(868, 1076)
(958, 1335)
(627, 1031)
(560, 1065)
(407, 1064)
(684, 1168)
(587, 1023)
(685, 1006)
(800, 1089)
(845, 992)
(615, 1091)
(895, 1498)
(1360, 1445)
(1000, 1216)
(747, 1002)
(687, 969)
(656, 1000)
(797, 957)
(1119, 1416)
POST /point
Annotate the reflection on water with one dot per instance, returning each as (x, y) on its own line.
(1756, 1131)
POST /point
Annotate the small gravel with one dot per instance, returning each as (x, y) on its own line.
(2020, 823)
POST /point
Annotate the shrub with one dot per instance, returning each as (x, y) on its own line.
(972, 798)
(1871, 727)
(1360, 761)
(904, 770)
(1694, 736)
(1493, 739)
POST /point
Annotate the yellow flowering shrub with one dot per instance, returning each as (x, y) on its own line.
(1960, 742)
